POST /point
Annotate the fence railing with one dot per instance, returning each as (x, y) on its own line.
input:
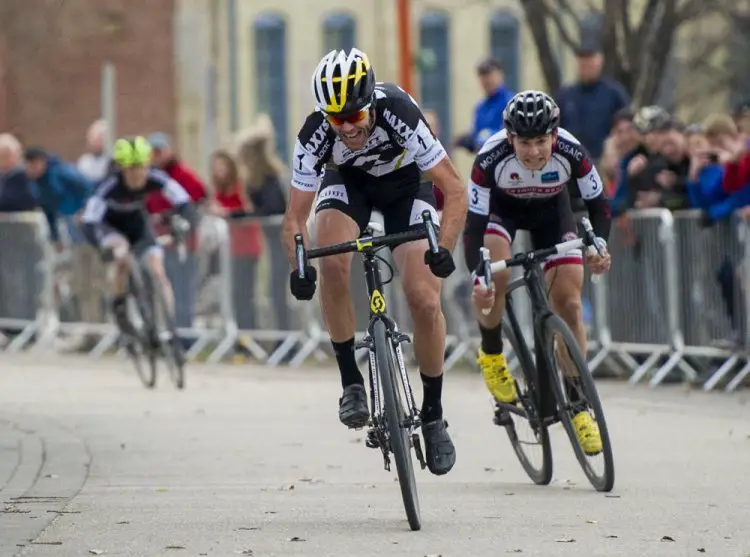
(674, 305)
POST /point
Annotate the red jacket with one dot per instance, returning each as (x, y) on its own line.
(737, 174)
(246, 237)
(157, 203)
(180, 173)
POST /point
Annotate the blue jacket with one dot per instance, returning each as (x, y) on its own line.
(488, 116)
(61, 190)
(621, 200)
(586, 111)
(707, 193)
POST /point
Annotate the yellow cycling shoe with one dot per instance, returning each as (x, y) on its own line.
(587, 432)
(497, 376)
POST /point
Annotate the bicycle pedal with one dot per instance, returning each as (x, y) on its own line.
(502, 418)
(365, 343)
(417, 444)
(371, 440)
(402, 337)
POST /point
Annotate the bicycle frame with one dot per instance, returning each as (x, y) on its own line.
(378, 312)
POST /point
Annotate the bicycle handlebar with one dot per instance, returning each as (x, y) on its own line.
(486, 268)
(366, 243)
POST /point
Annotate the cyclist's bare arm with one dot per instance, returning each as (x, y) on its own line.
(445, 177)
(295, 219)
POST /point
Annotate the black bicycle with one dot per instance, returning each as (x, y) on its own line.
(154, 331)
(393, 412)
(555, 384)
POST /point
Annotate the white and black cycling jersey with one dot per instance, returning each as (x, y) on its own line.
(400, 145)
(497, 172)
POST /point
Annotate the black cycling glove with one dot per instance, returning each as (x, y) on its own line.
(441, 263)
(303, 288)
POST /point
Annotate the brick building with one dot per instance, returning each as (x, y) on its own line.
(51, 56)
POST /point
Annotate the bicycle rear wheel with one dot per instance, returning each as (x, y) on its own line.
(400, 443)
(525, 412)
(564, 355)
(168, 339)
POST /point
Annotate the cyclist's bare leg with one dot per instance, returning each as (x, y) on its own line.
(334, 227)
(153, 258)
(422, 291)
(565, 282)
(121, 248)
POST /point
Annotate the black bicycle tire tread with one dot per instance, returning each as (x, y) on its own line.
(179, 379)
(605, 484)
(541, 476)
(138, 297)
(402, 455)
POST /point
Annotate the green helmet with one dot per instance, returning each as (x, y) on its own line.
(134, 151)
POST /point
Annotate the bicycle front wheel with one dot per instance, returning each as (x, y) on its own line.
(139, 348)
(532, 446)
(398, 436)
(168, 339)
(576, 395)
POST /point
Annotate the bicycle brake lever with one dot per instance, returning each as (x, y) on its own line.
(301, 258)
(590, 236)
(485, 273)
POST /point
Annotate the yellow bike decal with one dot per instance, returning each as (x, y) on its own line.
(377, 302)
(363, 244)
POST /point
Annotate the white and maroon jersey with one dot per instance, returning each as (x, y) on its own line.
(497, 172)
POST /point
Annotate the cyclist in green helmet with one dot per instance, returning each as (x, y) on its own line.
(116, 223)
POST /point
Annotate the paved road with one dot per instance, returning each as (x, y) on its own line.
(248, 459)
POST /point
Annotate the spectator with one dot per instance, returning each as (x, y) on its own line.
(262, 171)
(15, 194)
(488, 114)
(669, 172)
(742, 120)
(59, 189)
(623, 139)
(635, 173)
(230, 201)
(728, 148)
(587, 108)
(182, 274)
(95, 162)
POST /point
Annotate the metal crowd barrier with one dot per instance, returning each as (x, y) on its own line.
(674, 305)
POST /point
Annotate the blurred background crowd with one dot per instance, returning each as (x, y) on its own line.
(657, 92)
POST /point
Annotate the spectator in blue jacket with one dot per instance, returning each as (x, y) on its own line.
(488, 114)
(15, 195)
(58, 187)
(706, 192)
(587, 108)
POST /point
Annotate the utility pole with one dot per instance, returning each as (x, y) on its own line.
(403, 14)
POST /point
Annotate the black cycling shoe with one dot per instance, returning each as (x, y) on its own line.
(353, 410)
(440, 452)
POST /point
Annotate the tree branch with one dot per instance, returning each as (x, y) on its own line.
(537, 22)
(556, 17)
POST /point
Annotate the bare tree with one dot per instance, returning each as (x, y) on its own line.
(637, 37)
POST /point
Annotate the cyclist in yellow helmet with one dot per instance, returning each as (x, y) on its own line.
(115, 219)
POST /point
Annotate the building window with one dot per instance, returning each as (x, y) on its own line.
(435, 69)
(505, 45)
(270, 74)
(339, 32)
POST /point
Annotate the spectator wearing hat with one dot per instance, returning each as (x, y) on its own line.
(182, 274)
(587, 107)
(488, 114)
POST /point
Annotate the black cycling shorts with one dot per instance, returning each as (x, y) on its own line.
(549, 221)
(356, 194)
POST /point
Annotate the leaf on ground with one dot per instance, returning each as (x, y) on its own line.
(248, 528)
(701, 550)
(297, 539)
(514, 551)
(123, 522)
(667, 539)
(612, 496)
(289, 487)
(175, 547)
(96, 552)
(488, 469)
(508, 493)
(564, 540)
(161, 490)
(46, 543)
(611, 537)
(52, 476)
(592, 522)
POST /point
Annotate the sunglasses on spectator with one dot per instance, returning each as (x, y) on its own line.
(355, 118)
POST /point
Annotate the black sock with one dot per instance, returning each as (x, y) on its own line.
(432, 405)
(492, 339)
(350, 374)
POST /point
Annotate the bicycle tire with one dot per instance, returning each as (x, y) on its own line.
(541, 475)
(400, 443)
(554, 324)
(171, 347)
(141, 296)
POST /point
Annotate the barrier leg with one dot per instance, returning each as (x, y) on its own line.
(306, 350)
(597, 360)
(283, 349)
(644, 368)
(734, 383)
(719, 374)
(107, 342)
(197, 347)
(225, 346)
(674, 361)
(23, 338)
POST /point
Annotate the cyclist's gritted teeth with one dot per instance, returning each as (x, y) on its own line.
(353, 136)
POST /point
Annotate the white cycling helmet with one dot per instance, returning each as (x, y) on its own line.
(343, 83)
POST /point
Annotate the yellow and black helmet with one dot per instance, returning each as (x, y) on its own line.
(131, 151)
(343, 83)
